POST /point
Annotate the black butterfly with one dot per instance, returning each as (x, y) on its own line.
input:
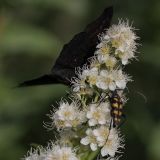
(75, 53)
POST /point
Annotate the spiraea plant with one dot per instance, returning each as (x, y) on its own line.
(88, 125)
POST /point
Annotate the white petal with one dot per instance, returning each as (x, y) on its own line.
(105, 107)
(124, 61)
(104, 73)
(100, 139)
(101, 143)
(76, 89)
(95, 132)
(100, 58)
(89, 131)
(94, 70)
(93, 146)
(111, 152)
(92, 122)
(112, 86)
(102, 85)
(121, 84)
(85, 141)
(106, 37)
(104, 151)
(102, 120)
(89, 115)
(67, 124)
(100, 45)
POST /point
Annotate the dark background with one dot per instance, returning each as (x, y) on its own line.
(32, 33)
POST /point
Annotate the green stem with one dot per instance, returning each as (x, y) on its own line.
(90, 155)
(93, 155)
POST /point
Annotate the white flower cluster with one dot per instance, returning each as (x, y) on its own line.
(116, 48)
(68, 115)
(87, 120)
(120, 40)
(103, 137)
(104, 75)
(60, 153)
(108, 140)
(55, 152)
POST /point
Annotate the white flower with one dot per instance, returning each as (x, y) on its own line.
(103, 48)
(81, 88)
(122, 38)
(108, 60)
(112, 79)
(79, 83)
(61, 153)
(92, 76)
(68, 115)
(126, 56)
(101, 134)
(83, 73)
(98, 114)
(87, 75)
(90, 139)
(113, 144)
(121, 34)
(106, 80)
(121, 79)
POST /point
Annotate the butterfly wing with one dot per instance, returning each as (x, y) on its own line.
(81, 47)
(76, 52)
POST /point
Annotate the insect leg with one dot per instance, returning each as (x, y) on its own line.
(124, 120)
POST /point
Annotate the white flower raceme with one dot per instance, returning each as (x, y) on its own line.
(98, 113)
(93, 83)
(112, 79)
(90, 139)
(113, 144)
(68, 115)
(57, 152)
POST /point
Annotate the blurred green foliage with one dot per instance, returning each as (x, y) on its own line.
(32, 33)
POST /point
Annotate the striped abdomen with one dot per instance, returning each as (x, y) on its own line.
(116, 109)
